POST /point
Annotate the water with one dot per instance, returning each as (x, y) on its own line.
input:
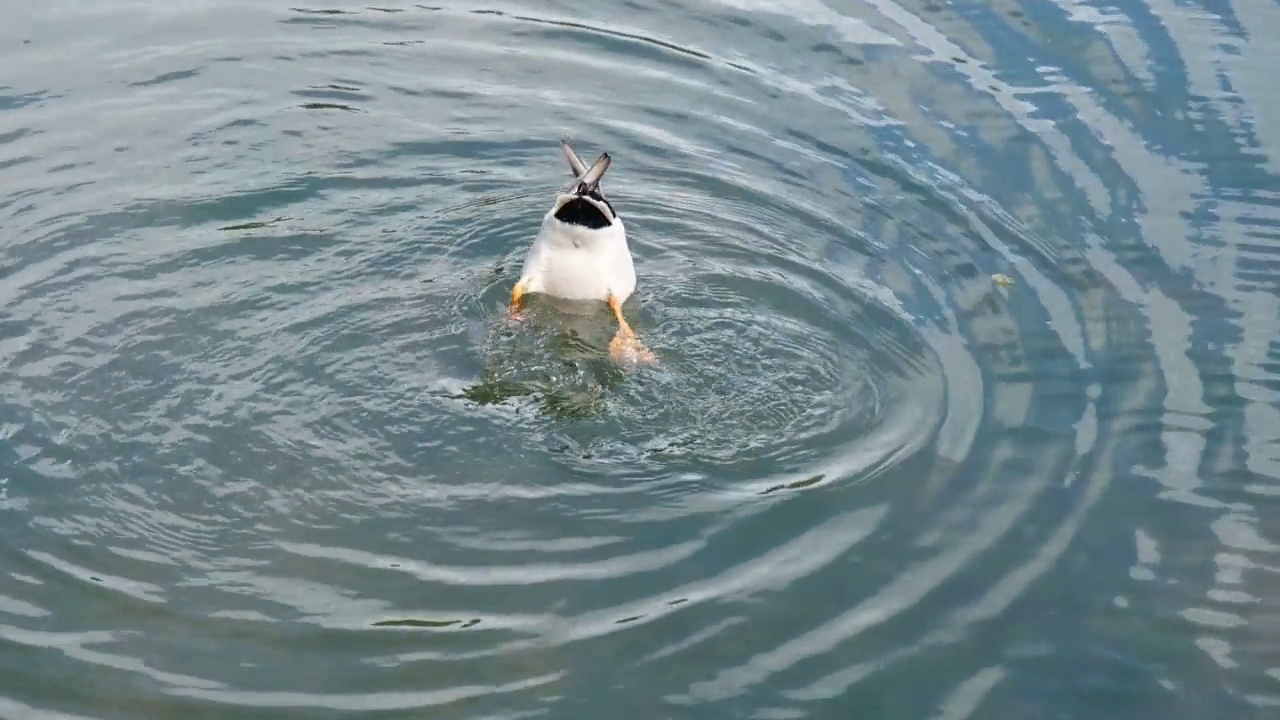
(269, 448)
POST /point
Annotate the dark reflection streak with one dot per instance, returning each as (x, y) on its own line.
(329, 106)
(166, 77)
(254, 225)
(421, 623)
(796, 485)
(616, 33)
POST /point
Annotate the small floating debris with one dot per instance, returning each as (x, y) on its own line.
(1002, 280)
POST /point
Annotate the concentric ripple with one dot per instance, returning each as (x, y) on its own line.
(771, 361)
(270, 444)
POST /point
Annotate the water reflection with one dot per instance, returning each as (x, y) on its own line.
(268, 443)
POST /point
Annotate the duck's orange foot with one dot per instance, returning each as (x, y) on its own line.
(627, 348)
(517, 294)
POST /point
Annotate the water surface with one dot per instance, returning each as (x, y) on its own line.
(269, 446)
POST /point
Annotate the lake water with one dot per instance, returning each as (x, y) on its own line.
(968, 403)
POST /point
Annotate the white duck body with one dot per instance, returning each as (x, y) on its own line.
(574, 262)
(580, 257)
(581, 251)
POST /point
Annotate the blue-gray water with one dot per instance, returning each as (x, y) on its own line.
(270, 448)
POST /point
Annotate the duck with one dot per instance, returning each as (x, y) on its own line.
(581, 254)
